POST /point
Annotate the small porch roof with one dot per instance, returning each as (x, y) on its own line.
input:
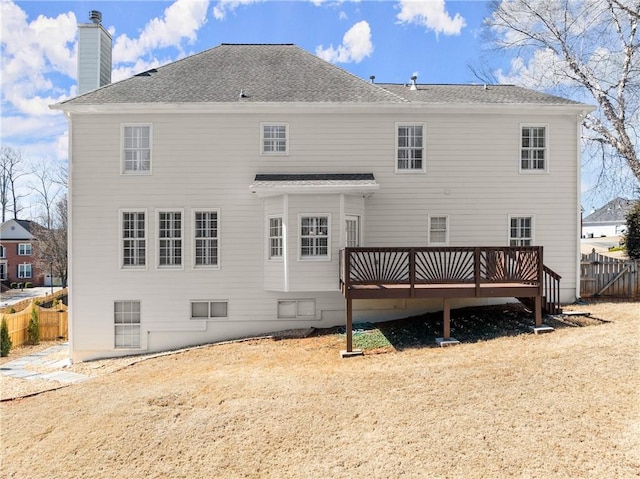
(314, 183)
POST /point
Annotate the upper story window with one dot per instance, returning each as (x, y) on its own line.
(3, 253)
(169, 238)
(205, 236)
(314, 237)
(274, 139)
(133, 236)
(136, 151)
(24, 270)
(275, 237)
(410, 147)
(24, 249)
(533, 148)
(520, 231)
(438, 230)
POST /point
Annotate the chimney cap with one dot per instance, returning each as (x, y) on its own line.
(95, 16)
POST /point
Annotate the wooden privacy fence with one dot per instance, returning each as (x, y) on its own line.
(603, 276)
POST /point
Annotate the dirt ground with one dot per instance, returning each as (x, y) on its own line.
(559, 405)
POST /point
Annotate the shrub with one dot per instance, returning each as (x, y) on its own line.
(33, 330)
(632, 237)
(5, 340)
(13, 285)
(12, 310)
(28, 285)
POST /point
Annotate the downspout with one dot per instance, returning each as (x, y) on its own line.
(579, 198)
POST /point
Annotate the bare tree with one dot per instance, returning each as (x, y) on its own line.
(46, 188)
(52, 242)
(12, 169)
(589, 50)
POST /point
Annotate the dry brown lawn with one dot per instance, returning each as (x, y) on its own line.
(560, 405)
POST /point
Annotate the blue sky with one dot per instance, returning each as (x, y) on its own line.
(435, 39)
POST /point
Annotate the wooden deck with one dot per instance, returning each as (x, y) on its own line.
(451, 272)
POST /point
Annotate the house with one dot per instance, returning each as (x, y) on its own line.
(18, 253)
(609, 220)
(211, 198)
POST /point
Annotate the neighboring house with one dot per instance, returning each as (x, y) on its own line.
(18, 248)
(610, 220)
(210, 197)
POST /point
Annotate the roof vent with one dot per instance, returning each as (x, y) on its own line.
(413, 82)
(95, 16)
(372, 78)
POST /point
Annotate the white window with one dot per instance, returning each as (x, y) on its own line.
(533, 148)
(275, 237)
(136, 149)
(410, 148)
(520, 231)
(24, 249)
(126, 319)
(438, 230)
(352, 231)
(134, 243)
(205, 236)
(3, 271)
(24, 271)
(274, 139)
(209, 309)
(297, 308)
(314, 237)
(169, 238)
(3, 253)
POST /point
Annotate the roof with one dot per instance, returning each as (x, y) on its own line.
(14, 229)
(245, 73)
(468, 94)
(613, 212)
(233, 73)
(349, 183)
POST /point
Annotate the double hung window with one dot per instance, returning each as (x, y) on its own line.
(275, 237)
(134, 242)
(136, 140)
(169, 238)
(24, 271)
(410, 147)
(314, 237)
(274, 139)
(520, 231)
(126, 319)
(438, 230)
(206, 238)
(533, 148)
(24, 249)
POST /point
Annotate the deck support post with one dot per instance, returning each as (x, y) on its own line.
(350, 352)
(446, 316)
(538, 310)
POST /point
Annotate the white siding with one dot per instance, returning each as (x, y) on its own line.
(208, 161)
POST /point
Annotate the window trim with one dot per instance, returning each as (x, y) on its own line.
(209, 316)
(423, 168)
(534, 171)
(286, 138)
(326, 257)
(446, 231)
(24, 275)
(297, 315)
(25, 246)
(159, 239)
(139, 323)
(121, 239)
(123, 170)
(521, 216)
(269, 256)
(194, 211)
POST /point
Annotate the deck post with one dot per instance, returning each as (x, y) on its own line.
(446, 316)
(538, 310)
(349, 325)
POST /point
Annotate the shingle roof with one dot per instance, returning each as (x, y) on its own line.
(233, 73)
(468, 94)
(266, 184)
(614, 211)
(263, 73)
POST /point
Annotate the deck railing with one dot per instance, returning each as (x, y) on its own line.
(447, 265)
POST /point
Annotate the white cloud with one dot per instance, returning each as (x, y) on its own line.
(356, 46)
(223, 6)
(431, 14)
(181, 20)
(542, 71)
